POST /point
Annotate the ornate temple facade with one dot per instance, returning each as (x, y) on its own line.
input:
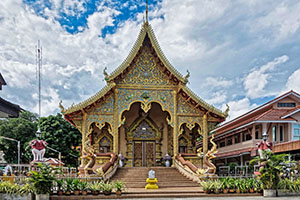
(145, 110)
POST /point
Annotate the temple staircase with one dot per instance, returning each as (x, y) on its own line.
(171, 183)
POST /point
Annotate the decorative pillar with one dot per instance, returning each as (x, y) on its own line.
(83, 134)
(116, 124)
(205, 134)
(84, 130)
(175, 129)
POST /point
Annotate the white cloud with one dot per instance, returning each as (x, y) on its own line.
(284, 20)
(239, 107)
(70, 62)
(218, 97)
(256, 80)
(293, 82)
(218, 82)
(210, 38)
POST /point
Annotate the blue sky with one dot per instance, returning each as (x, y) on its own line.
(239, 52)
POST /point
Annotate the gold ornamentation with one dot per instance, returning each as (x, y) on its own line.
(186, 78)
(146, 107)
(226, 111)
(138, 95)
(186, 108)
(145, 71)
(209, 168)
(189, 121)
(99, 120)
(106, 76)
(62, 109)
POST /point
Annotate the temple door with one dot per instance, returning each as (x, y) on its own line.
(144, 153)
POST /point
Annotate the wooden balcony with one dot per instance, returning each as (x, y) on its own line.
(286, 146)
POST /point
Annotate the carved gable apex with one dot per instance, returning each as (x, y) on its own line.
(147, 45)
(145, 69)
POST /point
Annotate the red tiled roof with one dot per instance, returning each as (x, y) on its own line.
(274, 115)
(236, 152)
(291, 111)
(248, 117)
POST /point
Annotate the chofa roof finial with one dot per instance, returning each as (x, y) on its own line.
(147, 11)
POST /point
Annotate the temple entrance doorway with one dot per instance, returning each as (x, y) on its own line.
(144, 153)
(146, 135)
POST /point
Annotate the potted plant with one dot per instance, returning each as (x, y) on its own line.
(94, 188)
(205, 186)
(83, 187)
(76, 187)
(231, 183)
(26, 191)
(69, 186)
(119, 186)
(217, 186)
(225, 185)
(42, 180)
(272, 165)
(60, 184)
(107, 188)
(238, 183)
(251, 182)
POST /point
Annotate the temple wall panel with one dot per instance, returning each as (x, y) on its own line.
(183, 107)
(126, 97)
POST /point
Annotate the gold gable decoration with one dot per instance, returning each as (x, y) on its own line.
(145, 72)
(145, 30)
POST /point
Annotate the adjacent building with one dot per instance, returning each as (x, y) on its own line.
(7, 109)
(279, 118)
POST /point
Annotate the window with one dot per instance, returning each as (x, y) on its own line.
(229, 142)
(274, 133)
(222, 144)
(296, 135)
(281, 133)
(256, 134)
(237, 139)
(248, 137)
(286, 104)
(183, 145)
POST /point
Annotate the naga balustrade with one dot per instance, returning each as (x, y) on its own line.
(186, 168)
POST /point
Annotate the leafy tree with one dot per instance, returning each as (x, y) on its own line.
(61, 136)
(273, 165)
(23, 129)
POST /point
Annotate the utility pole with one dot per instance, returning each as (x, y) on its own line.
(38, 71)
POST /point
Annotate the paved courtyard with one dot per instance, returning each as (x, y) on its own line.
(225, 198)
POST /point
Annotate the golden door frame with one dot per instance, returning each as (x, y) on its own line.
(132, 139)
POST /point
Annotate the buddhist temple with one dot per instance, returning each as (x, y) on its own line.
(144, 112)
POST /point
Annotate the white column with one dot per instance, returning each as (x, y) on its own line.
(264, 128)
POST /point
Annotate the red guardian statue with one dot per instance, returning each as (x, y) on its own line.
(264, 145)
(38, 147)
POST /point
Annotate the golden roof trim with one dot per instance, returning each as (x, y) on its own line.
(90, 100)
(202, 102)
(146, 28)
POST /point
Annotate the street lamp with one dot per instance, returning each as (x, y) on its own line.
(19, 146)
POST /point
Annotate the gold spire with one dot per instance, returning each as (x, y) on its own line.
(146, 10)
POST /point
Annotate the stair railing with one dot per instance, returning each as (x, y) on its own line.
(110, 167)
(186, 168)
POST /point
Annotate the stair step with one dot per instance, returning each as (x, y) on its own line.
(168, 177)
